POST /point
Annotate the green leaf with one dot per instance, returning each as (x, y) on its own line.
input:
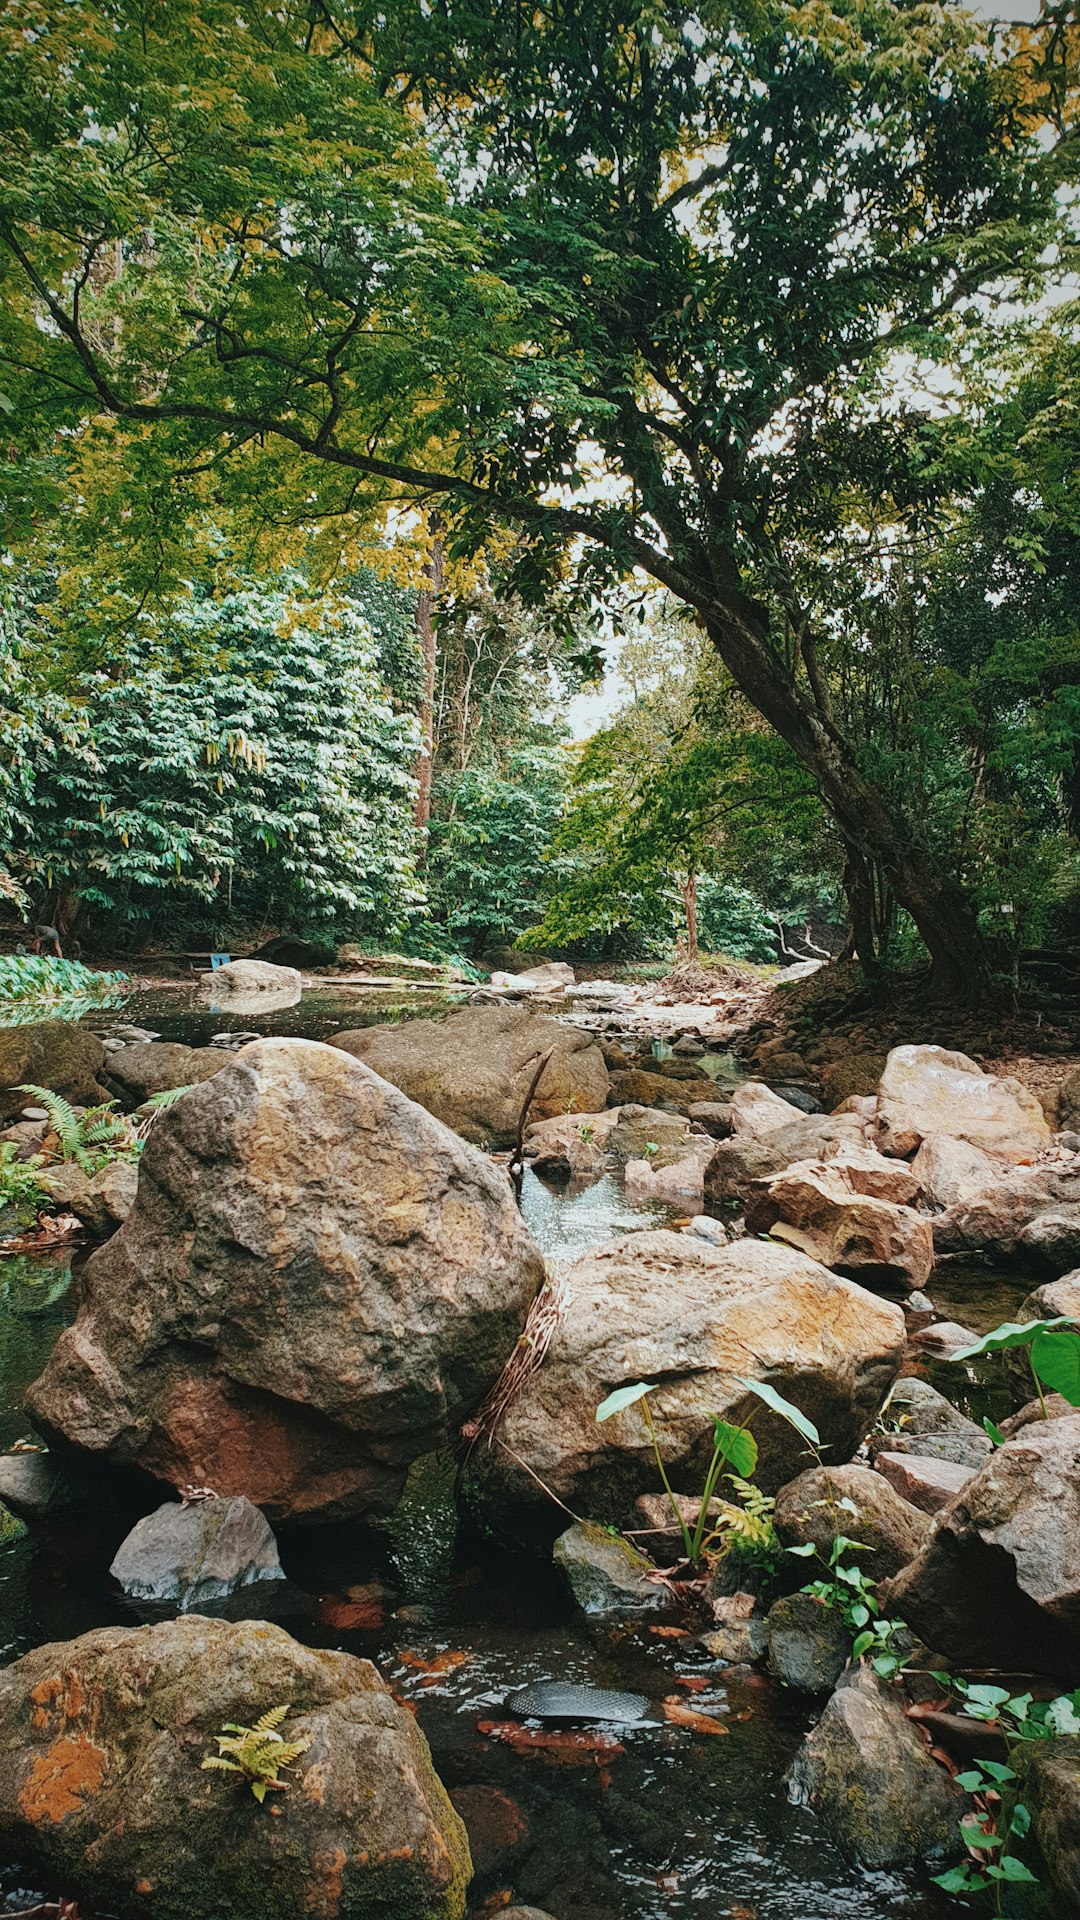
(995, 1433)
(960, 1879)
(623, 1397)
(1055, 1358)
(736, 1446)
(1011, 1333)
(997, 1770)
(783, 1407)
(971, 1781)
(1020, 1824)
(985, 1842)
(804, 1552)
(1010, 1868)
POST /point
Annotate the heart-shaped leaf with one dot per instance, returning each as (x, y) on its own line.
(623, 1397)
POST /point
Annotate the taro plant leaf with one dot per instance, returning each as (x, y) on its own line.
(1010, 1868)
(623, 1397)
(783, 1407)
(1010, 1334)
(1055, 1358)
(736, 1446)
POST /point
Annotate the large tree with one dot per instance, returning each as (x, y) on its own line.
(634, 275)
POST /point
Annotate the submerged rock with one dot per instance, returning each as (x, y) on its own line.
(927, 1091)
(999, 1582)
(473, 1070)
(317, 1284)
(605, 1574)
(668, 1308)
(195, 1555)
(866, 1769)
(101, 1785)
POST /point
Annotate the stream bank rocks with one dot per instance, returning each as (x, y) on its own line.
(999, 1581)
(195, 1555)
(473, 1070)
(102, 1788)
(854, 1501)
(249, 977)
(929, 1091)
(671, 1309)
(318, 1282)
(156, 1066)
(851, 1213)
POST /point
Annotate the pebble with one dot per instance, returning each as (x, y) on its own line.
(34, 1113)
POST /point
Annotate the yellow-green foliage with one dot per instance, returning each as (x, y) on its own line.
(259, 1752)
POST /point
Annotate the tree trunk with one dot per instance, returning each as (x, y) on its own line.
(859, 892)
(426, 602)
(689, 894)
(868, 819)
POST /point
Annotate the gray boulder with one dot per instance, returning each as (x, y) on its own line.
(668, 1308)
(866, 1769)
(249, 977)
(929, 1425)
(473, 1070)
(197, 1554)
(32, 1485)
(317, 1284)
(102, 1789)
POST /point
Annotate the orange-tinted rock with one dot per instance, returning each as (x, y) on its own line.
(928, 1090)
(102, 1788)
(830, 1211)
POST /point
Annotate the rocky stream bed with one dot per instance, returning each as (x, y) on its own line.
(322, 1276)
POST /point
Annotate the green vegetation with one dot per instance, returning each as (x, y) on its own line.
(31, 978)
(1001, 1820)
(259, 1753)
(1053, 1353)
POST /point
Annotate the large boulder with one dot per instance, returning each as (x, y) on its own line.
(50, 1053)
(251, 976)
(829, 1209)
(946, 1168)
(633, 1086)
(747, 1157)
(580, 1144)
(1050, 1788)
(197, 1554)
(317, 1283)
(670, 1309)
(473, 1070)
(866, 1769)
(855, 1502)
(991, 1213)
(928, 1090)
(157, 1066)
(999, 1582)
(102, 1787)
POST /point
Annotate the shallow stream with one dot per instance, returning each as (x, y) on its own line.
(672, 1824)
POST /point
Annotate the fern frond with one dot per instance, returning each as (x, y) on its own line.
(168, 1098)
(273, 1717)
(215, 1763)
(291, 1750)
(63, 1119)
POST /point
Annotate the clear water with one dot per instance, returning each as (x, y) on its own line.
(677, 1825)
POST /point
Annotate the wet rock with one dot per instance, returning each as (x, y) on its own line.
(867, 1772)
(156, 1066)
(251, 976)
(999, 1582)
(1050, 1775)
(56, 1054)
(808, 1645)
(497, 1827)
(928, 1090)
(821, 1208)
(739, 1637)
(317, 1284)
(197, 1554)
(944, 1338)
(799, 1098)
(644, 1133)
(571, 1145)
(713, 1115)
(925, 1482)
(928, 1424)
(856, 1502)
(658, 1090)
(11, 1527)
(706, 1228)
(473, 1070)
(101, 1787)
(668, 1308)
(605, 1574)
(946, 1168)
(1053, 1238)
(32, 1485)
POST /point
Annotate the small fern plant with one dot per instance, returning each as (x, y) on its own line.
(259, 1753)
(90, 1138)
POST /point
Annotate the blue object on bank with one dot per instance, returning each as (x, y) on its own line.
(220, 959)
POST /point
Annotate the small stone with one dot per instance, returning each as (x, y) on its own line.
(928, 1483)
(34, 1113)
(706, 1228)
(944, 1337)
(808, 1643)
(605, 1573)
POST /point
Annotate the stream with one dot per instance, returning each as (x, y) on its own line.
(673, 1823)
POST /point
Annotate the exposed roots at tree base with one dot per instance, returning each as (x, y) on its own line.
(528, 1356)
